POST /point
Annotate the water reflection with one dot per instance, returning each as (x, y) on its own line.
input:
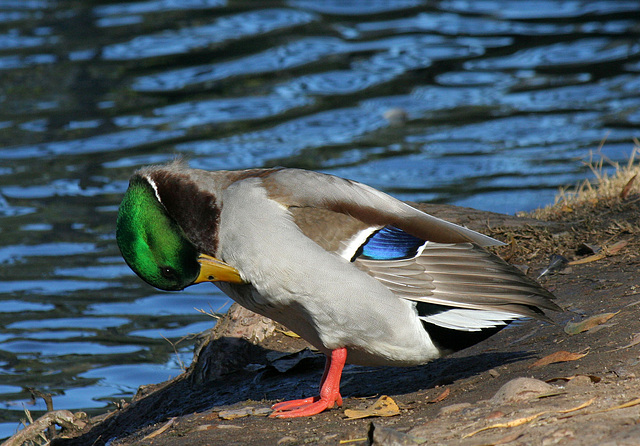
(496, 103)
(154, 6)
(544, 9)
(562, 55)
(185, 40)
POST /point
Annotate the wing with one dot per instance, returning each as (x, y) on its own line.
(441, 267)
(296, 188)
(460, 286)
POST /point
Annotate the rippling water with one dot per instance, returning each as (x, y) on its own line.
(490, 104)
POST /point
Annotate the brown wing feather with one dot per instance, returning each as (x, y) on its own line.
(327, 228)
(464, 276)
(301, 188)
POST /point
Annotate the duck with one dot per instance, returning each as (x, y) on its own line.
(364, 277)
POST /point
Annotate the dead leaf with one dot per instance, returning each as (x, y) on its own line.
(559, 356)
(383, 407)
(617, 247)
(573, 328)
(627, 187)
(588, 259)
(623, 405)
(524, 420)
(635, 340)
(581, 406)
(513, 423)
(164, 427)
(354, 440)
(445, 393)
(289, 333)
(606, 251)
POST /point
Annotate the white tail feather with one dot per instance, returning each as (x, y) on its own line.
(470, 320)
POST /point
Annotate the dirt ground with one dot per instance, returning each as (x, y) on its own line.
(591, 398)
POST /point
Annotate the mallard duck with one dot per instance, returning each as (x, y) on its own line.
(360, 275)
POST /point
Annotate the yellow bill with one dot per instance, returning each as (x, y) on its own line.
(214, 270)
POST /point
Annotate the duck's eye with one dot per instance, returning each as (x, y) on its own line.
(169, 273)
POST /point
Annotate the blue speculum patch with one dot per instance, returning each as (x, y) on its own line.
(390, 243)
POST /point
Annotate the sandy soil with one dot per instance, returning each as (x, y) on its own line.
(580, 401)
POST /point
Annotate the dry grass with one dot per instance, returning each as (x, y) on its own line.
(605, 187)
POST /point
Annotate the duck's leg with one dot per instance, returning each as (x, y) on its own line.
(293, 404)
(329, 391)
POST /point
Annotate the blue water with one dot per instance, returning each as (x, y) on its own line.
(490, 104)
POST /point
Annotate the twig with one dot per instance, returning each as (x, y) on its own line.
(175, 350)
(62, 418)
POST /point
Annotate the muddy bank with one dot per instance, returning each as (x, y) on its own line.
(242, 366)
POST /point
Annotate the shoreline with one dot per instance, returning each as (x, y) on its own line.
(238, 368)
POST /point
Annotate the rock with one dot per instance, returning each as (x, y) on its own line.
(453, 408)
(235, 413)
(521, 389)
(560, 436)
(232, 414)
(580, 381)
(385, 436)
(627, 436)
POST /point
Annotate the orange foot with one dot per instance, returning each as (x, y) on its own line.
(329, 391)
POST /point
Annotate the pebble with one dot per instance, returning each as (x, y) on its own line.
(579, 381)
(396, 116)
(495, 414)
(521, 389)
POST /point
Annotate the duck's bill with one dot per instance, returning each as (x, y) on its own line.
(214, 270)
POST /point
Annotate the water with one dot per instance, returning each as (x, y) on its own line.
(495, 102)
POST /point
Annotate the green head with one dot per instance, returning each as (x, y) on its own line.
(151, 242)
